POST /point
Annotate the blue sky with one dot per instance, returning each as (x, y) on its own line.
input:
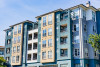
(15, 11)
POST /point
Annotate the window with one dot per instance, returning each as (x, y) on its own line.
(9, 33)
(93, 16)
(97, 65)
(94, 30)
(86, 52)
(35, 35)
(50, 31)
(35, 46)
(19, 39)
(49, 42)
(76, 27)
(8, 41)
(85, 39)
(17, 58)
(15, 30)
(29, 57)
(63, 40)
(87, 65)
(44, 33)
(49, 19)
(1, 52)
(19, 28)
(64, 52)
(85, 28)
(34, 56)
(35, 26)
(43, 43)
(77, 65)
(44, 21)
(29, 46)
(64, 16)
(15, 40)
(76, 39)
(13, 59)
(95, 53)
(7, 58)
(64, 65)
(14, 49)
(7, 50)
(76, 11)
(84, 14)
(43, 55)
(76, 52)
(49, 54)
(18, 48)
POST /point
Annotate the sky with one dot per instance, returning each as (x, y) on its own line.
(15, 11)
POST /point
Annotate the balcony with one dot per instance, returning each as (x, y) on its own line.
(63, 40)
(34, 56)
(63, 28)
(8, 41)
(29, 57)
(7, 50)
(64, 52)
(35, 46)
(30, 37)
(29, 46)
(64, 16)
(35, 35)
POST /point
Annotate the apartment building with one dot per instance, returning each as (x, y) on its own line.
(58, 39)
(2, 48)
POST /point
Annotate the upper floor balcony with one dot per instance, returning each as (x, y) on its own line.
(63, 40)
(63, 28)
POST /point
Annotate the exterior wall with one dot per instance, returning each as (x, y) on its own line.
(32, 42)
(8, 46)
(1, 51)
(65, 59)
(17, 44)
(48, 37)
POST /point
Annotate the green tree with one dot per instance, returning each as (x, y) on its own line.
(94, 40)
(2, 61)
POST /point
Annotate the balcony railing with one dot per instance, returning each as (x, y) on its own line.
(29, 38)
(35, 37)
(63, 55)
(63, 42)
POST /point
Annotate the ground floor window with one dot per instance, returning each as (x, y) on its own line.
(49, 65)
(87, 65)
(97, 65)
(77, 65)
(17, 59)
(64, 65)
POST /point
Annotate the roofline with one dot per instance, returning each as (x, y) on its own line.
(19, 23)
(22, 22)
(2, 46)
(83, 6)
(7, 29)
(80, 5)
(49, 12)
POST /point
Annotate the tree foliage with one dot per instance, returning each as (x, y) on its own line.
(94, 40)
(2, 61)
